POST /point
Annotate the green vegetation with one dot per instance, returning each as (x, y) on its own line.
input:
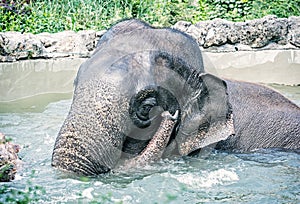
(38, 16)
(31, 193)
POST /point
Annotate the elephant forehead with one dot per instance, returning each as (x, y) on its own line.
(130, 51)
(164, 40)
(134, 71)
(132, 68)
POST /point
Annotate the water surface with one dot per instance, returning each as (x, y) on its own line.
(266, 176)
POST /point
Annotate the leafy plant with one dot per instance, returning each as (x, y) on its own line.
(38, 16)
(31, 193)
(234, 10)
(280, 8)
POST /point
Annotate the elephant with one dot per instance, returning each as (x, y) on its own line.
(156, 147)
(144, 95)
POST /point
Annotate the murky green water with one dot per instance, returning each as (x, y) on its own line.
(268, 176)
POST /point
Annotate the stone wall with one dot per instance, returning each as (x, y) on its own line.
(21, 46)
(269, 32)
(216, 35)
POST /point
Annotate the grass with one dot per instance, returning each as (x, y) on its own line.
(52, 16)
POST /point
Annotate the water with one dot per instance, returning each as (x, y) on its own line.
(267, 176)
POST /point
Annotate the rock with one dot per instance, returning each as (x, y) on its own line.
(9, 160)
(222, 35)
(260, 32)
(182, 25)
(216, 35)
(294, 30)
(89, 39)
(15, 45)
(67, 43)
(217, 32)
(199, 32)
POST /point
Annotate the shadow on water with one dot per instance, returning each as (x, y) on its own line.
(291, 92)
(36, 103)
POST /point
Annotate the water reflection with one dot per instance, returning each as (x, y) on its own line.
(268, 176)
(36, 103)
(33, 121)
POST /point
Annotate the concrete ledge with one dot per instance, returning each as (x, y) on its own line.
(34, 77)
(267, 66)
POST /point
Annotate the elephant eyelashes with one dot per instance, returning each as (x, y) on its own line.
(141, 105)
(145, 100)
(144, 109)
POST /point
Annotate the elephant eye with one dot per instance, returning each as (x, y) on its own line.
(145, 108)
(141, 105)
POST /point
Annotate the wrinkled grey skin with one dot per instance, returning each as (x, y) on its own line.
(263, 118)
(156, 147)
(136, 73)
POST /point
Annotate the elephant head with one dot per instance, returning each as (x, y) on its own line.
(136, 73)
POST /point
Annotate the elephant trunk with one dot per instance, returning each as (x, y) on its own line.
(82, 155)
(85, 144)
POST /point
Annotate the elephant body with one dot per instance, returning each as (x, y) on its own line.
(156, 147)
(263, 118)
(139, 72)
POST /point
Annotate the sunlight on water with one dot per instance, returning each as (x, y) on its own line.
(207, 179)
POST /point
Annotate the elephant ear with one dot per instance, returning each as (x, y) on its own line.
(208, 119)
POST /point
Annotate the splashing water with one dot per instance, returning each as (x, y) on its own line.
(266, 176)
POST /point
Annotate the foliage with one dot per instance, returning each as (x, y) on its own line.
(38, 16)
(30, 194)
(5, 170)
(240, 10)
(234, 10)
(9, 195)
(280, 8)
